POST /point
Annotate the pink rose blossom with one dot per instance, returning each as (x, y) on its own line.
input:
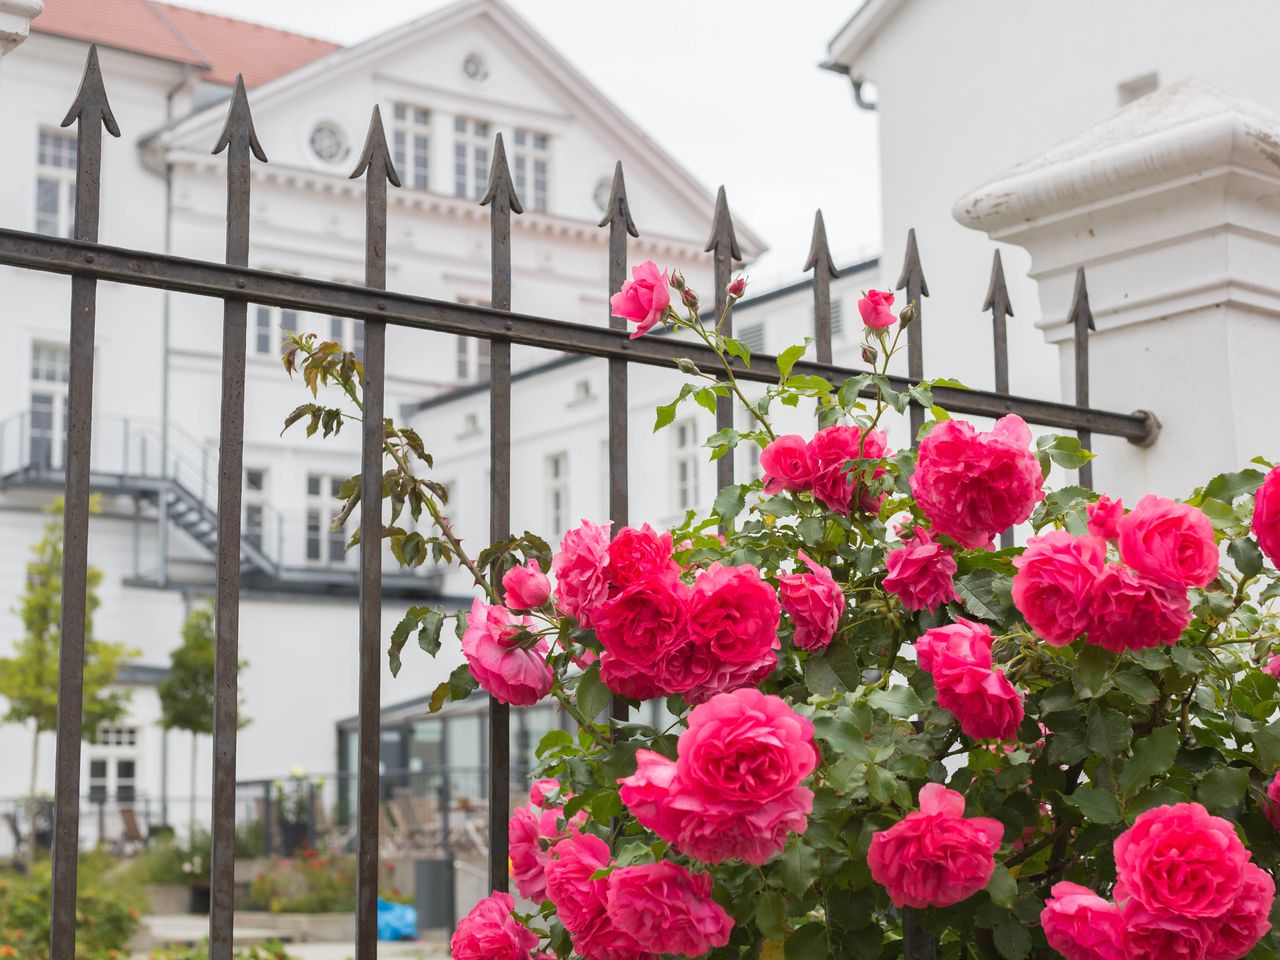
(1180, 860)
(1169, 542)
(1104, 518)
(785, 464)
(935, 857)
(921, 573)
(1272, 669)
(638, 628)
(643, 299)
(1162, 936)
(541, 791)
(974, 485)
(736, 614)
(579, 899)
(579, 568)
(1236, 932)
(490, 932)
(1130, 612)
(829, 450)
(954, 646)
(1053, 588)
(1272, 809)
(529, 829)
(876, 309)
(814, 602)
(510, 669)
(1080, 925)
(958, 656)
(640, 554)
(667, 910)
(1266, 516)
(526, 587)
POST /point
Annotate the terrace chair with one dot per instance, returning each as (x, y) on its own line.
(19, 841)
(406, 816)
(132, 840)
(391, 839)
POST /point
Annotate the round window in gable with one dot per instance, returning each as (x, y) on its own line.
(475, 68)
(328, 142)
(602, 192)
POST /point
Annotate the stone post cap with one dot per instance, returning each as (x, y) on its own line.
(15, 21)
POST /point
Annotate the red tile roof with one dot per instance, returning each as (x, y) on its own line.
(220, 46)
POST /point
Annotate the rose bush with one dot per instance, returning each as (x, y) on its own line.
(884, 736)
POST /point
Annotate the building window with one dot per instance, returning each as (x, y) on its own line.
(531, 169)
(47, 435)
(686, 465)
(752, 337)
(113, 764)
(348, 333)
(411, 143)
(255, 505)
(270, 324)
(470, 157)
(55, 183)
(324, 544)
(473, 360)
(558, 493)
(115, 736)
(837, 319)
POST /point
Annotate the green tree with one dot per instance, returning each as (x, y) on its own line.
(187, 694)
(29, 678)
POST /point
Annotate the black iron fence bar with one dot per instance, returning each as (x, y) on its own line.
(618, 219)
(501, 198)
(241, 143)
(1081, 320)
(913, 282)
(723, 247)
(181, 275)
(91, 112)
(824, 270)
(376, 162)
(998, 303)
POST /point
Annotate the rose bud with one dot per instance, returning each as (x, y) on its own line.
(869, 354)
(738, 287)
(689, 298)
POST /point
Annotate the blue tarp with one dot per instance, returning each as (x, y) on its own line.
(396, 921)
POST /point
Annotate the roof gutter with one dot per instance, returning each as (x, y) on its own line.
(856, 82)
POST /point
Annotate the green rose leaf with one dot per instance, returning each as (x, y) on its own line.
(593, 695)
(1097, 805)
(1152, 755)
(1223, 787)
(771, 914)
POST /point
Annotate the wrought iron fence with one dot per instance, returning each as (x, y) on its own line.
(87, 262)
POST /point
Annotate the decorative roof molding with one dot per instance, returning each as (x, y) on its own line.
(1186, 130)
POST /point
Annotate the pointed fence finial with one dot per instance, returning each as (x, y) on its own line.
(239, 123)
(819, 252)
(722, 236)
(376, 155)
(912, 272)
(997, 293)
(91, 105)
(1080, 310)
(500, 179)
(618, 209)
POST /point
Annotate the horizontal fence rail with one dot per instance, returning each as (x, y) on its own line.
(88, 263)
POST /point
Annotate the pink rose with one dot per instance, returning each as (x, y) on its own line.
(642, 554)
(1104, 518)
(1170, 542)
(785, 464)
(921, 573)
(954, 646)
(975, 485)
(1180, 860)
(1053, 588)
(528, 828)
(735, 613)
(737, 287)
(526, 587)
(814, 602)
(958, 656)
(1162, 936)
(1266, 516)
(1272, 809)
(490, 932)
(579, 899)
(829, 450)
(876, 309)
(1130, 612)
(667, 910)
(935, 857)
(643, 299)
(541, 791)
(1236, 932)
(1272, 669)
(1080, 925)
(637, 629)
(513, 670)
(579, 569)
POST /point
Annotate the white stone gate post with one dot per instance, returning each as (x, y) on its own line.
(1172, 205)
(15, 22)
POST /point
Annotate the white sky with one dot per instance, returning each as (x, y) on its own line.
(729, 87)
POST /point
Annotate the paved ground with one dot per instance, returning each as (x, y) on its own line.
(193, 929)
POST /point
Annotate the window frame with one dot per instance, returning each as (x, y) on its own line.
(472, 138)
(411, 143)
(60, 177)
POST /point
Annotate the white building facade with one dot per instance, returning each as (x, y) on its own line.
(446, 84)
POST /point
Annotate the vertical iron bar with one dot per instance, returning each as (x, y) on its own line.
(824, 271)
(998, 303)
(723, 247)
(91, 112)
(241, 143)
(618, 219)
(912, 280)
(501, 198)
(376, 160)
(1081, 319)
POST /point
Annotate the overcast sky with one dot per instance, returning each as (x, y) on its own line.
(731, 89)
